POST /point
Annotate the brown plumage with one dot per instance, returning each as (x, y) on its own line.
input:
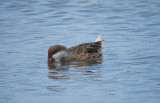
(56, 48)
(81, 52)
(85, 51)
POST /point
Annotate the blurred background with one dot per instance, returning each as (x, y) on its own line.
(128, 73)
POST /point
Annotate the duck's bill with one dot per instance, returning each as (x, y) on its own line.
(51, 59)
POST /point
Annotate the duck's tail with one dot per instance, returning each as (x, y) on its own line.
(98, 39)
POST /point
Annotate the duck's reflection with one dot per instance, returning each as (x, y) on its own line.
(56, 88)
(66, 65)
(56, 70)
(59, 70)
(59, 66)
(63, 71)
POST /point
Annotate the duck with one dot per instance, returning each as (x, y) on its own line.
(91, 51)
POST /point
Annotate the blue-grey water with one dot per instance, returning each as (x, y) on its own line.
(128, 73)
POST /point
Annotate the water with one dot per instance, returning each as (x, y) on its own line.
(128, 73)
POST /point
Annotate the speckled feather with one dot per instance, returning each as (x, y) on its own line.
(85, 51)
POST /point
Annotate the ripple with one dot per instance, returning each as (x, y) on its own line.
(129, 71)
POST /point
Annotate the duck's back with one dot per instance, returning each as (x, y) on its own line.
(85, 51)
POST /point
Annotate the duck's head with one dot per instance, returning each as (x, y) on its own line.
(57, 52)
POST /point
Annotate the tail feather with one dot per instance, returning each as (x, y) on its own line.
(98, 39)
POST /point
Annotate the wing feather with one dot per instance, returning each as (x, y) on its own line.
(85, 51)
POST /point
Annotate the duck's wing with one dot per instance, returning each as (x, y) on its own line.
(94, 47)
(85, 51)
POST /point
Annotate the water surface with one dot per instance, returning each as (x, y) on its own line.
(128, 73)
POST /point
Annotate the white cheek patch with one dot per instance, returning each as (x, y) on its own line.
(59, 55)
